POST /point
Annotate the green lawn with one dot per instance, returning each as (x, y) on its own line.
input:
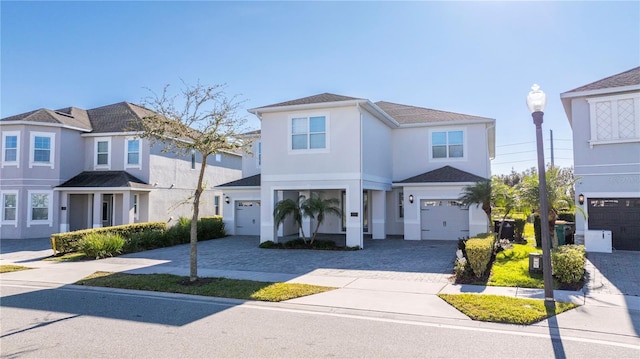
(69, 257)
(511, 268)
(500, 309)
(6, 268)
(213, 287)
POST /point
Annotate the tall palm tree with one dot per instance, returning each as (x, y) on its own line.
(317, 207)
(478, 194)
(288, 207)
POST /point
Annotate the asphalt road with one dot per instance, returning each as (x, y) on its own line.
(77, 322)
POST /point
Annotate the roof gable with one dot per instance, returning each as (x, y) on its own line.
(444, 174)
(118, 117)
(251, 181)
(405, 114)
(320, 98)
(627, 78)
(111, 179)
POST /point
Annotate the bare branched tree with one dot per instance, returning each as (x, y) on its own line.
(198, 118)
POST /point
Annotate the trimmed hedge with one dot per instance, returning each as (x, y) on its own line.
(568, 263)
(479, 250)
(101, 245)
(69, 241)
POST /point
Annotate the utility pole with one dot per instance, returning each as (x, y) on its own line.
(552, 162)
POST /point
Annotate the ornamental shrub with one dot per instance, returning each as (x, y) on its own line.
(101, 245)
(69, 241)
(479, 250)
(568, 263)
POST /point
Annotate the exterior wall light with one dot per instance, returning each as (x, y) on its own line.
(227, 200)
(581, 199)
(410, 198)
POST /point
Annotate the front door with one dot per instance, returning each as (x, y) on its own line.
(107, 210)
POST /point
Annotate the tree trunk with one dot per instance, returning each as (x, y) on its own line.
(193, 263)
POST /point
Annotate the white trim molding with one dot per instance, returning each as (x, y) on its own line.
(4, 161)
(52, 149)
(3, 220)
(49, 202)
(126, 152)
(96, 142)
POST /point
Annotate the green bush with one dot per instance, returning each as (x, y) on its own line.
(270, 244)
(568, 263)
(146, 240)
(518, 227)
(210, 228)
(101, 245)
(69, 241)
(536, 230)
(566, 216)
(479, 251)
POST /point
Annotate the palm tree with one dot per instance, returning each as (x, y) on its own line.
(289, 207)
(559, 195)
(478, 194)
(317, 207)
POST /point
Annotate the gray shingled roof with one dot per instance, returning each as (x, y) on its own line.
(324, 97)
(405, 114)
(118, 117)
(106, 179)
(49, 116)
(251, 181)
(444, 174)
(627, 78)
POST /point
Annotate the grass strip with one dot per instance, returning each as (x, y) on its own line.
(511, 268)
(69, 257)
(6, 268)
(211, 287)
(501, 309)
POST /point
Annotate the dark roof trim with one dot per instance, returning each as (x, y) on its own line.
(626, 78)
(104, 179)
(446, 174)
(251, 181)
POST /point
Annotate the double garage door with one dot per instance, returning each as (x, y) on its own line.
(247, 218)
(443, 219)
(621, 216)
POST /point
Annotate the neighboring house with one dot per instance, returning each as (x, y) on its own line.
(605, 119)
(73, 169)
(397, 170)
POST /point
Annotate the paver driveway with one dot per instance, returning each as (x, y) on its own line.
(430, 261)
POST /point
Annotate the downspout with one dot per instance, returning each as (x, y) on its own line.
(361, 235)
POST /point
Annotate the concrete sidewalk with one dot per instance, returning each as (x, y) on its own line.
(378, 291)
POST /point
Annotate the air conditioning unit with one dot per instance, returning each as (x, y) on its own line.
(598, 241)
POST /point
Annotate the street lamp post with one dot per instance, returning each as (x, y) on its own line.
(536, 101)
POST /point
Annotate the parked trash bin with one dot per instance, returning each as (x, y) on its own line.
(569, 233)
(535, 262)
(508, 229)
(560, 228)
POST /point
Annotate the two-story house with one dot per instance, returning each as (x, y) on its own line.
(397, 170)
(73, 169)
(605, 121)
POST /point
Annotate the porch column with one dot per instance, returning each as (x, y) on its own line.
(127, 213)
(378, 214)
(267, 203)
(97, 210)
(354, 215)
(64, 212)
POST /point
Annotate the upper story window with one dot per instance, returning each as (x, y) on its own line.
(615, 119)
(218, 157)
(11, 148)
(447, 144)
(193, 159)
(40, 210)
(42, 149)
(9, 207)
(102, 158)
(309, 133)
(132, 152)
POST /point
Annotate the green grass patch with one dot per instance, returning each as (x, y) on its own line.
(68, 257)
(501, 309)
(6, 268)
(211, 287)
(511, 268)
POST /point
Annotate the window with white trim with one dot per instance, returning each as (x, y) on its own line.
(42, 149)
(102, 153)
(40, 208)
(309, 133)
(218, 157)
(447, 144)
(615, 119)
(400, 204)
(11, 148)
(259, 154)
(193, 159)
(9, 207)
(132, 152)
(216, 205)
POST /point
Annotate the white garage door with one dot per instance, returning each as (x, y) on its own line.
(443, 219)
(248, 218)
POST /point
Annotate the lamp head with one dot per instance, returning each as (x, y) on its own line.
(536, 99)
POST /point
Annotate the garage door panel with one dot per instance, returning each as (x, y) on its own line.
(247, 218)
(621, 216)
(443, 220)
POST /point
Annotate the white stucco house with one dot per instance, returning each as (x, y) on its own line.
(605, 121)
(71, 169)
(397, 170)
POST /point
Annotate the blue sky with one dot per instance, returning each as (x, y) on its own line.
(478, 58)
